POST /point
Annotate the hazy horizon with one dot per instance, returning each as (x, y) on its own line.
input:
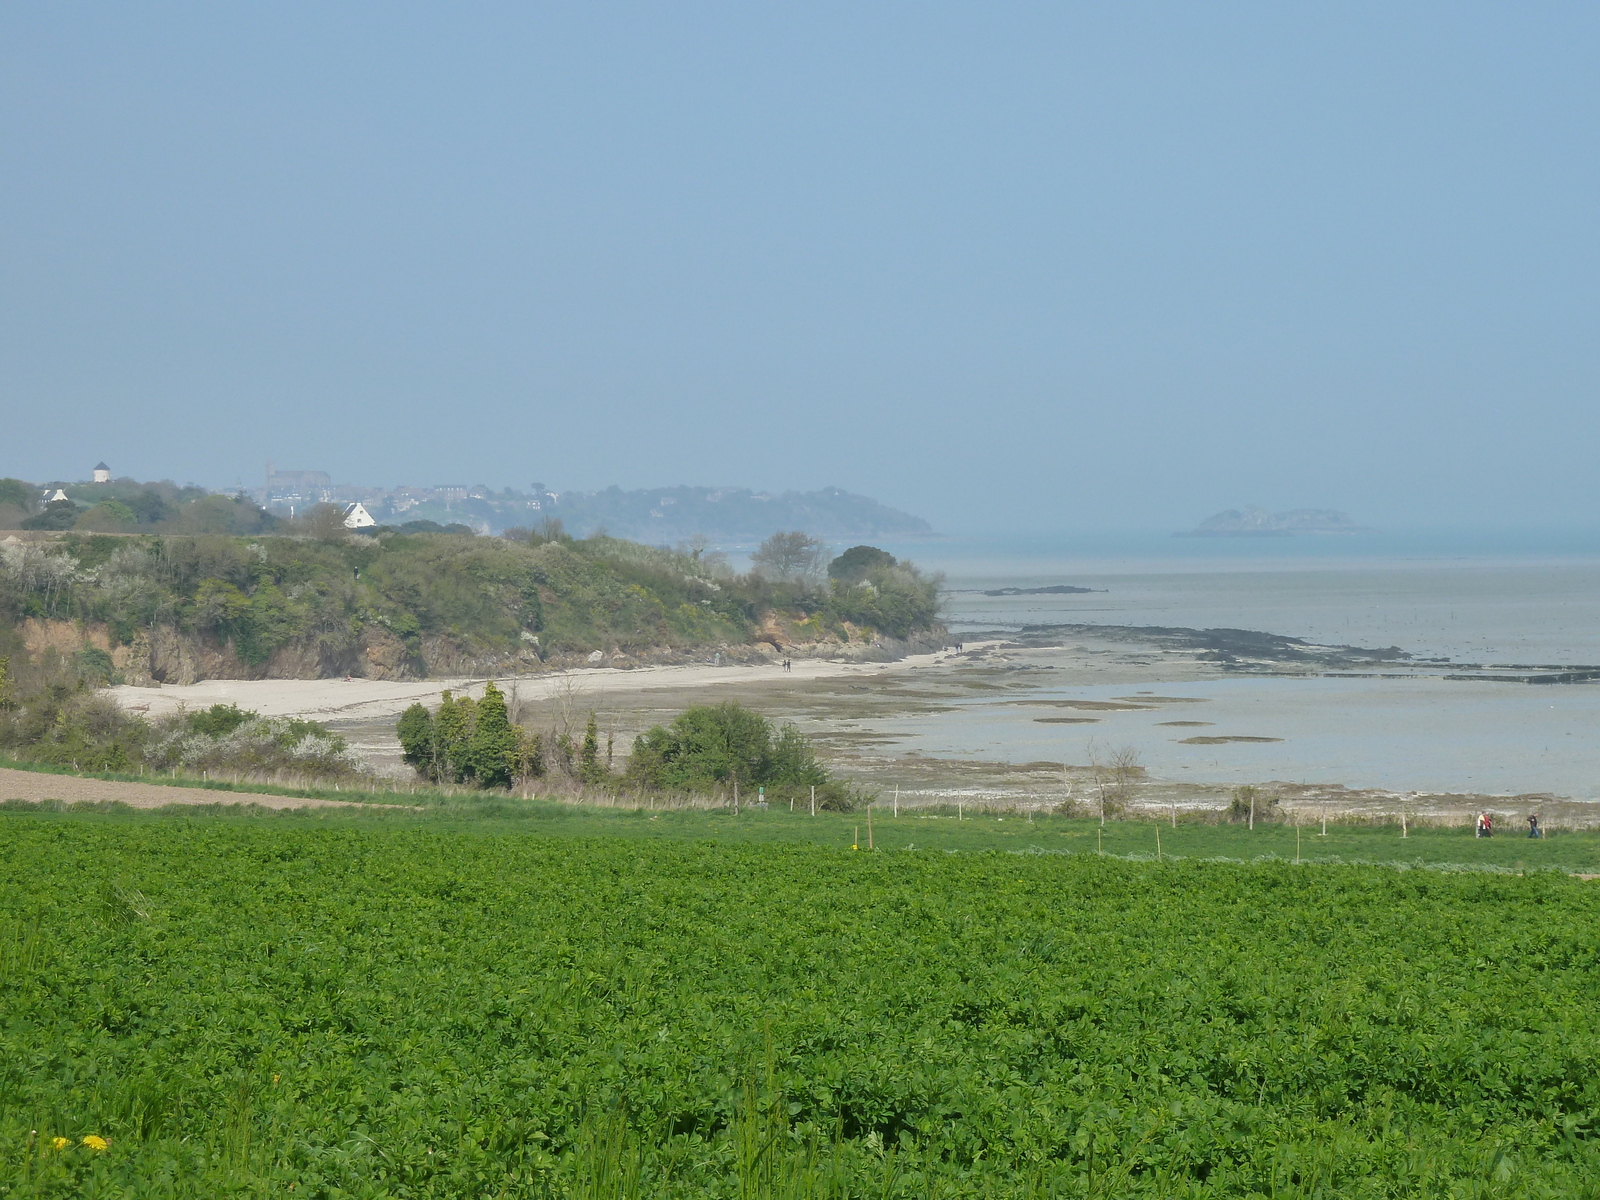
(1034, 267)
(1169, 539)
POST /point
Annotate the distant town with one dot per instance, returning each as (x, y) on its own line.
(733, 517)
(648, 515)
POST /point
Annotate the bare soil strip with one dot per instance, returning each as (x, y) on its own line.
(34, 786)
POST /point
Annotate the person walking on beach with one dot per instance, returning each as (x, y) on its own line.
(1533, 826)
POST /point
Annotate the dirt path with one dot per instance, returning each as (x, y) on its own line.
(74, 789)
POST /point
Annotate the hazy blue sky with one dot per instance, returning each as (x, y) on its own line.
(1059, 265)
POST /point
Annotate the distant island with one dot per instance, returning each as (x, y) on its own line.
(1258, 522)
(1056, 589)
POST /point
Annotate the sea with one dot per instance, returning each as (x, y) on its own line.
(1475, 599)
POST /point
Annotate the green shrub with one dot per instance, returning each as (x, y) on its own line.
(220, 719)
(709, 748)
(893, 598)
(467, 741)
(57, 515)
(96, 665)
(59, 719)
(859, 562)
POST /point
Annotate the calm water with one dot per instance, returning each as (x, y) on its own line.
(1491, 606)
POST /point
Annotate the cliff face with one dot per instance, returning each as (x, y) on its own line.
(165, 655)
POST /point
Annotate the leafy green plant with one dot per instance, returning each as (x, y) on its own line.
(237, 1006)
(468, 741)
(895, 599)
(713, 747)
(220, 719)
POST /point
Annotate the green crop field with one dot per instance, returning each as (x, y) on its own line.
(548, 1002)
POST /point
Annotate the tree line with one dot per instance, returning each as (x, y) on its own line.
(707, 749)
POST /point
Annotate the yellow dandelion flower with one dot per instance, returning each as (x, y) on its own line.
(274, 1079)
(95, 1142)
(60, 1143)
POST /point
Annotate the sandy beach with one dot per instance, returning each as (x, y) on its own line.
(364, 700)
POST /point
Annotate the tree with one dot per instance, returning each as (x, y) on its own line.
(219, 514)
(793, 761)
(708, 748)
(17, 494)
(891, 599)
(859, 562)
(325, 522)
(469, 742)
(16, 502)
(791, 557)
(530, 754)
(1249, 802)
(417, 741)
(1115, 774)
(494, 746)
(453, 728)
(58, 514)
(705, 747)
(589, 768)
(109, 516)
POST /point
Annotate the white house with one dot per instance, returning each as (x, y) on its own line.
(102, 474)
(51, 497)
(356, 516)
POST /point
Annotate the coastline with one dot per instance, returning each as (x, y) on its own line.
(1019, 721)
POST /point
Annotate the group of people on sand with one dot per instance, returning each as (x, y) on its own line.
(1485, 826)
